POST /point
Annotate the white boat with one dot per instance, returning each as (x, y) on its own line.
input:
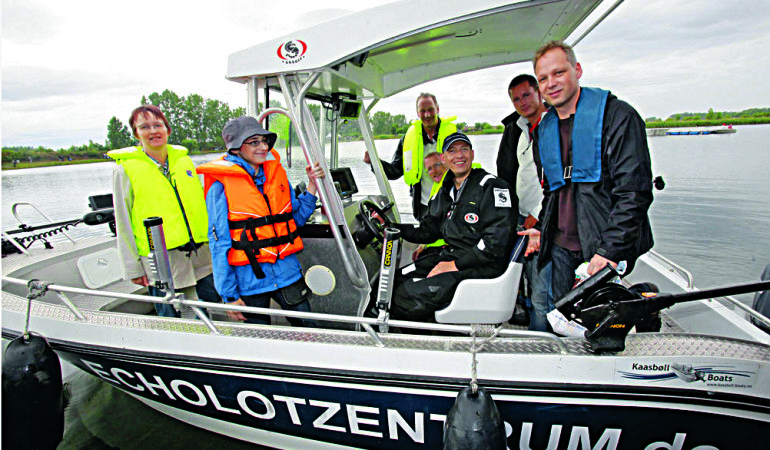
(702, 382)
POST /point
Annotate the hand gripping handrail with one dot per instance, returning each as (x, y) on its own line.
(299, 114)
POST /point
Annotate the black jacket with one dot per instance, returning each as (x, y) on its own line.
(612, 213)
(478, 228)
(507, 160)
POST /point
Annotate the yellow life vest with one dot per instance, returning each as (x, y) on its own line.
(413, 148)
(155, 196)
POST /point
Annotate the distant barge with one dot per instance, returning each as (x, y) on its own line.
(724, 129)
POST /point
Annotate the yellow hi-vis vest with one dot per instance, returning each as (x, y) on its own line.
(433, 191)
(154, 196)
(413, 148)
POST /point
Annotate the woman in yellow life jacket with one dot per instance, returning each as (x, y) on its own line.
(253, 220)
(159, 179)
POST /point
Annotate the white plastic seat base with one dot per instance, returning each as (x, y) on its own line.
(489, 300)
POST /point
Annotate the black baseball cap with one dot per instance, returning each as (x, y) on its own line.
(454, 137)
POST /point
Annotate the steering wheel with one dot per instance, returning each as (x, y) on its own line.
(377, 228)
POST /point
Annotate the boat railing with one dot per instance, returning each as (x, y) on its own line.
(745, 308)
(674, 267)
(366, 323)
(687, 277)
(50, 222)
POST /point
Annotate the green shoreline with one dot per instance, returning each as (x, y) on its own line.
(664, 124)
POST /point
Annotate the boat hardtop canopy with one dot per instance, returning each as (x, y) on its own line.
(381, 51)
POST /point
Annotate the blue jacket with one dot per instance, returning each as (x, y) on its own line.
(233, 281)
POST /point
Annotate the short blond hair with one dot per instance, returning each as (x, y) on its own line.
(548, 46)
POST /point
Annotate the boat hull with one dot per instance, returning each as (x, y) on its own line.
(296, 407)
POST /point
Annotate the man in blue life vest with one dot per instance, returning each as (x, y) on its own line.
(516, 165)
(423, 136)
(598, 178)
(253, 220)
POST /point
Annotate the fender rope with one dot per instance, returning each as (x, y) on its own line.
(37, 289)
(489, 333)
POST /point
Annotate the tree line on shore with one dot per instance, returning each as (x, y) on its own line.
(752, 116)
(197, 124)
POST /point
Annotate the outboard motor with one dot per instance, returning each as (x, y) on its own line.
(583, 303)
(33, 405)
(609, 310)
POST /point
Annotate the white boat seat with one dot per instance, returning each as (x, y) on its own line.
(488, 300)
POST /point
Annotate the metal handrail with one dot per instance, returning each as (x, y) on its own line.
(755, 314)
(366, 322)
(374, 157)
(684, 273)
(44, 215)
(296, 107)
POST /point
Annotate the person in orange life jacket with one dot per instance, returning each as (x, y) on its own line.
(160, 179)
(253, 218)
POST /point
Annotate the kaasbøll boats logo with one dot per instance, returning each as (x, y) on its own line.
(292, 52)
(742, 375)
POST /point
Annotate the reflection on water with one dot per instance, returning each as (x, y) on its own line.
(101, 417)
(712, 219)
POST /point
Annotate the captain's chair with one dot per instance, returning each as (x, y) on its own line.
(488, 300)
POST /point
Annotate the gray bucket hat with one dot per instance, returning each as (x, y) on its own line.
(241, 128)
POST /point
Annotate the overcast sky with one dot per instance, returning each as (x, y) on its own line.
(69, 66)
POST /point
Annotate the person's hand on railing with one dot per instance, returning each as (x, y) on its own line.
(236, 315)
(314, 173)
(141, 281)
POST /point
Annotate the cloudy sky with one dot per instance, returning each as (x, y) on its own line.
(69, 66)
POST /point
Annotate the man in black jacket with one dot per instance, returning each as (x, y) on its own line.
(593, 151)
(516, 165)
(473, 213)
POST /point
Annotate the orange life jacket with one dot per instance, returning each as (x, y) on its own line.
(262, 226)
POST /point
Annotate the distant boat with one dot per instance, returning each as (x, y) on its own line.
(722, 129)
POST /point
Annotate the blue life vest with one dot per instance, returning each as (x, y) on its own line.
(586, 141)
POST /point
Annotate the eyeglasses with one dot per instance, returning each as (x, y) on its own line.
(435, 167)
(154, 126)
(257, 142)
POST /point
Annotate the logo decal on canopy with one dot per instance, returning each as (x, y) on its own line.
(292, 52)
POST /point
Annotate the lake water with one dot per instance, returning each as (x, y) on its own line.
(712, 218)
